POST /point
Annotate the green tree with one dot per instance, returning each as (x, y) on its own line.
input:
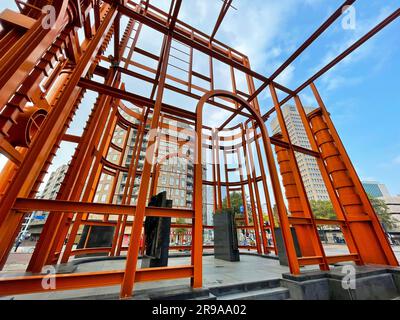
(383, 212)
(236, 203)
(276, 216)
(322, 209)
(180, 231)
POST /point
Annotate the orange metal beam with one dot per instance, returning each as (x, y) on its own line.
(25, 205)
(34, 284)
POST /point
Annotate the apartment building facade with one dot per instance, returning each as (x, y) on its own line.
(308, 166)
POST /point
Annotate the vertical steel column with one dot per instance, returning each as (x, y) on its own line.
(130, 182)
(283, 218)
(271, 218)
(242, 181)
(217, 164)
(251, 86)
(256, 190)
(214, 172)
(190, 73)
(228, 197)
(156, 164)
(126, 142)
(250, 186)
(133, 250)
(294, 202)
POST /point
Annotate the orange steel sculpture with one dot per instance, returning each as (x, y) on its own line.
(45, 75)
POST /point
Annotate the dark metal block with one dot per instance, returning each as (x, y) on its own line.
(225, 237)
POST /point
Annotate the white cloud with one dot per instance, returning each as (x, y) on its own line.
(256, 30)
(286, 76)
(336, 77)
(333, 82)
(307, 100)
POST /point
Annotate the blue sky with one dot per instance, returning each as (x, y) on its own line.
(362, 92)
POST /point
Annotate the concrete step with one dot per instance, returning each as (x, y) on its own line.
(181, 294)
(244, 287)
(205, 298)
(279, 293)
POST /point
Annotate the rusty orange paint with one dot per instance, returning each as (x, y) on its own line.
(44, 76)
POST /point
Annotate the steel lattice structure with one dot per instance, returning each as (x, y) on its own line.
(45, 74)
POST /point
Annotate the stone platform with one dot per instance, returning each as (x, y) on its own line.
(345, 282)
(216, 273)
(254, 277)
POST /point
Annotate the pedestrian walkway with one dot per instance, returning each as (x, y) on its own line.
(215, 273)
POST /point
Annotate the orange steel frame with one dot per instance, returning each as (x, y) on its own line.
(44, 76)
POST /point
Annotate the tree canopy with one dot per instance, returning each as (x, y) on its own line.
(236, 202)
(324, 210)
(321, 209)
(383, 212)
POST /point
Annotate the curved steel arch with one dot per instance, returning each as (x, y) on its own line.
(198, 190)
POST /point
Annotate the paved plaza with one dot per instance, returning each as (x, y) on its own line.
(215, 273)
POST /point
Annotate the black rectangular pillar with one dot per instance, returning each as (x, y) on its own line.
(157, 232)
(280, 245)
(225, 236)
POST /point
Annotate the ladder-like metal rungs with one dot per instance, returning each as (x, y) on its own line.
(312, 260)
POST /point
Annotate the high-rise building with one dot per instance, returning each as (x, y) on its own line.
(54, 183)
(34, 222)
(312, 178)
(176, 174)
(375, 189)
